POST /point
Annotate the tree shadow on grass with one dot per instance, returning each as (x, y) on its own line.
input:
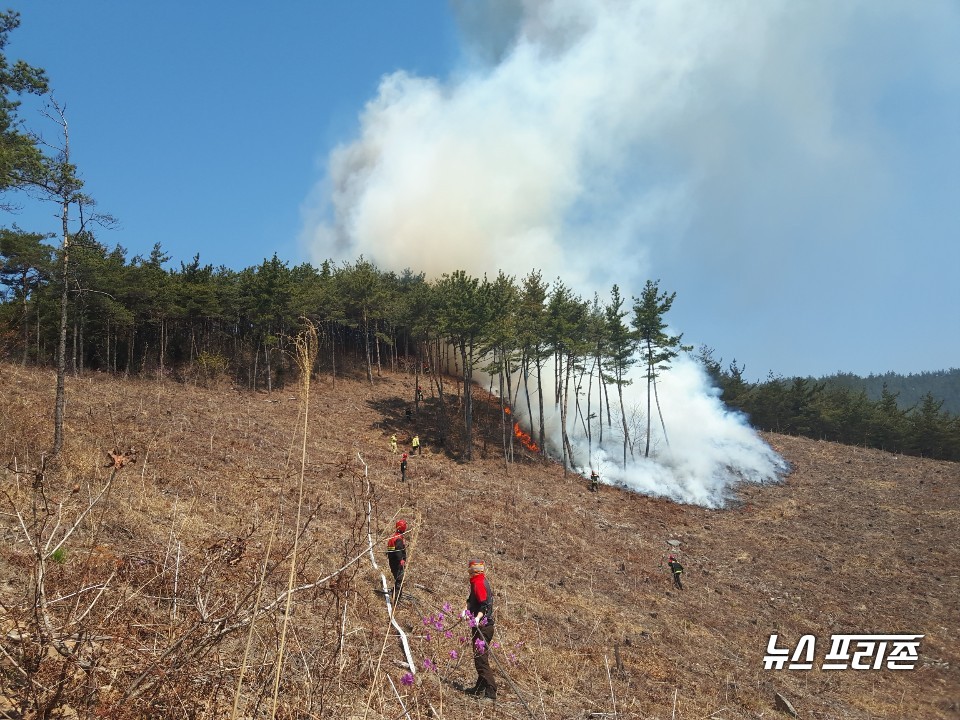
(404, 419)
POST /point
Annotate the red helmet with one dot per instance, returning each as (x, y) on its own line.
(476, 567)
(672, 557)
(401, 526)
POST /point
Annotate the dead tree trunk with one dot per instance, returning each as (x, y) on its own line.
(60, 401)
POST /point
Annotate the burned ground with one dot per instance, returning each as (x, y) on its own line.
(853, 541)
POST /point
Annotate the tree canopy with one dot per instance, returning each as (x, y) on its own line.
(20, 158)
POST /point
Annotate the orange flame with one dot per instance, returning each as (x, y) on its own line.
(525, 438)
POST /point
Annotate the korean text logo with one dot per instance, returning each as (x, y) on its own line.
(847, 652)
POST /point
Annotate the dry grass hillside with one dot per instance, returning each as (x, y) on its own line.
(168, 593)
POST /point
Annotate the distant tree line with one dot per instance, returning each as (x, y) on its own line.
(136, 316)
(828, 410)
(910, 389)
(542, 345)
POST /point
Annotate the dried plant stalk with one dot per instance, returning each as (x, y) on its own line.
(305, 355)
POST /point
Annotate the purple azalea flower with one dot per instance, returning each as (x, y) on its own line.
(480, 644)
(472, 620)
(406, 679)
(453, 654)
(512, 659)
(428, 665)
(426, 621)
(483, 621)
(495, 644)
(447, 607)
(438, 624)
(448, 635)
(427, 636)
(462, 639)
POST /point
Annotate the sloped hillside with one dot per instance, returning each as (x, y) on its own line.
(168, 598)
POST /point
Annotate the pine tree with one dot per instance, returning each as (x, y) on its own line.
(888, 422)
(531, 333)
(598, 338)
(566, 330)
(621, 356)
(464, 318)
(657, 347)
(21, 162)
(929, 428)
(60, 183)
(500, 343)
(364, 298)
(25, 262)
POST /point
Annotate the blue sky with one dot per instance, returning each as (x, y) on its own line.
(791, 170)
(202, 126)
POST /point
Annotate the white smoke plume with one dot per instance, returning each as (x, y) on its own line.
(562, 146)
(584, 138)
(698, 453)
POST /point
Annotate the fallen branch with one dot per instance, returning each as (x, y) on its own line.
(411, 665)
(613, 697)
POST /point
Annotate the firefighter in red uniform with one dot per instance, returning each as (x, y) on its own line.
(479, 613)
(397, 555)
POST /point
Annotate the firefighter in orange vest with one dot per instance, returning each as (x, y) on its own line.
(397, 556)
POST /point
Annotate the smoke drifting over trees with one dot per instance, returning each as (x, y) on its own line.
(611, 142)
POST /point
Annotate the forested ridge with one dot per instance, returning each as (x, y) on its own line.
(910, 389)
(196, 322)
(844, 411)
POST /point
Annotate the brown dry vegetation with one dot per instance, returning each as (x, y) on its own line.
(147, 607)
